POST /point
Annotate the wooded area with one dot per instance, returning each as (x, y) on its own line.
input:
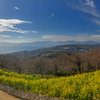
(60, 63)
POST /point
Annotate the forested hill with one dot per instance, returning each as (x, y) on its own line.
(51, 50)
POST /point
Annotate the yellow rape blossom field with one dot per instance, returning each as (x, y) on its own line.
(79, 87)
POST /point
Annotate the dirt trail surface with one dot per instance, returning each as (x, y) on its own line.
(6, 96)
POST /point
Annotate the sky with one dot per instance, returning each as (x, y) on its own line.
(23, 21)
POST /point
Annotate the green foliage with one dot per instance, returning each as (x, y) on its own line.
(66, 73)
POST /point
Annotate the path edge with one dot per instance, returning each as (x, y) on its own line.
(27, 95)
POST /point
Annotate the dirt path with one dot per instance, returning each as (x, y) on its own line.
(6, 96)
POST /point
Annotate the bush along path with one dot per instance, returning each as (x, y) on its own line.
(21, 95)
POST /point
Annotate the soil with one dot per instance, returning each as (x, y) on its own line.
(6, 96)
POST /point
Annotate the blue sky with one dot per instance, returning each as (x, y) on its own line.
(24, 21)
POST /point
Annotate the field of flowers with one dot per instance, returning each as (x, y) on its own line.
(24, 76)
(78, 87)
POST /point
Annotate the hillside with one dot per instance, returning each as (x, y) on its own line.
(60, 48)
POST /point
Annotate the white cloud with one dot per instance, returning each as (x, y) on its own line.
(96, 21)
(87, 7)
(55, 38)
(82, 34)
(16, 8)
(90, 3)
(51, 15)
(8, 25)
(4, 36)
(14, 41)
(34, 31)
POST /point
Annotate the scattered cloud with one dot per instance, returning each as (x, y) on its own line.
(16, 8)
(96, 36)
(87, 7)
(82, 34)
(98, 30)
(4, 36)
(8, 25)
(96, 21)
(51, 15)
(34, 31)
(55, 38)
(90, 3)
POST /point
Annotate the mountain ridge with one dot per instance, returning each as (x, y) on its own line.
(16, 47)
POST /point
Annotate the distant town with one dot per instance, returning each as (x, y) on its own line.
(50, 50)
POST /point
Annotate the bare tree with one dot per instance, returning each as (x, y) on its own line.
(1, 64)
(56, 65)
(95, 61)
(40, 65)
(77, 60)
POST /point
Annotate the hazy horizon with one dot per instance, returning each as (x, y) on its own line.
(17, 47)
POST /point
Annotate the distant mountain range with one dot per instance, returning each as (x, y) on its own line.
(16, 47)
